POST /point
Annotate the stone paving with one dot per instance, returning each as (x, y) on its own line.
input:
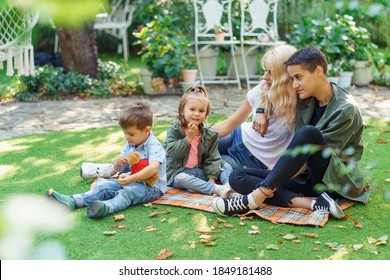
(24, 118)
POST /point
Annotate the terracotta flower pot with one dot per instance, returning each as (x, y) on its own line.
(189, 75)
(220, 36)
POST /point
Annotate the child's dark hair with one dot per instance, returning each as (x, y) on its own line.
(137, 115)
(194, 91)
(309, 58)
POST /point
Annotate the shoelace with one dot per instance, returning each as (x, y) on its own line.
(236, 204)
(321, 208)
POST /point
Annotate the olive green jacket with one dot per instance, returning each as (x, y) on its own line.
(342, 127)
(178, 150)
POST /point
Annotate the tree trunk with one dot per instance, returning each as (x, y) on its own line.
(79, 49)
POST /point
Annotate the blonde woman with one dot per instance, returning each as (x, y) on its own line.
(272, 103)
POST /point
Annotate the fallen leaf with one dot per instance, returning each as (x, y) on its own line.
(272, 247)
(387, 180)
(237, 258)
(357, 246)
(119, 217)
(375, 252)
(164, 254)
(341, 227)
(357, 224)
(150, 228)
(228, 225)
(206, 231)
(371, 240)
(382, 240)
(383, 130)
(312, 235)
(120, 226)
(381, 141)
(289, 236)
(241, 223)
(316, 248)
(254, 230)
(192, 244)
(109, 232)
(296, 241)
(156, 213)
(347, 216)
(208, 240)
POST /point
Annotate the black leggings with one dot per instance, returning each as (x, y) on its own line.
(245, 180)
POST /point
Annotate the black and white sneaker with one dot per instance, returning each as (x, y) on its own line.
(231, 206)
(325, 203)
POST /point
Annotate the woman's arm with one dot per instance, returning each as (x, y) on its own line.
(239, 116)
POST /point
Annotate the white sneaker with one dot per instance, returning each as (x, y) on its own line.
(95, 170)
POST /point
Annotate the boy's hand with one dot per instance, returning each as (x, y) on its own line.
(119, 163)
(125, 179)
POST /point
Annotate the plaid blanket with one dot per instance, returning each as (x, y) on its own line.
(274, 214)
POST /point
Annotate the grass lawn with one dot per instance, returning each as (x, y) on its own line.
(36, 163)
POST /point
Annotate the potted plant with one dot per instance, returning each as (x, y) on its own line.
(188, 75)
(347, 67)
(334, 72)
(364, 52)
(164, 51)
(219, 31)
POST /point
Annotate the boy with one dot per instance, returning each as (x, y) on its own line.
(110, 196)
(327, 116)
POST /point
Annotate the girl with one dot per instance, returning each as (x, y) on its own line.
(193, 160)
(272, 103)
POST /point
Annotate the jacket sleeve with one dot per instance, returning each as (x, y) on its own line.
(176, 144)
(341, 128)
(212, 158)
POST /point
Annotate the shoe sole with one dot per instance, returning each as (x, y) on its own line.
(215, 207)
(93, 210)
(336, 210)
(50, 194)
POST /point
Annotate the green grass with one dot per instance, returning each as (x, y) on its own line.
(36, 163)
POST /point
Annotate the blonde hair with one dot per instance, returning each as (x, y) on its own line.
(280, 99)
(198, 92)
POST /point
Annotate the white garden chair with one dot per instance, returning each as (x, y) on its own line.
(210, 14)
(15, 39)
(259, 28)
(116, 23)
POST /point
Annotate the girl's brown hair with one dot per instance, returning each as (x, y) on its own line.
(196, 91)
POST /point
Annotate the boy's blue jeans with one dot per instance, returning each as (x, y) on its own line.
(116, 196)
(194, 179)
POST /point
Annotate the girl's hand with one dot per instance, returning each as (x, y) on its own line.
(124, 179)
(193, 130)
(260, 124)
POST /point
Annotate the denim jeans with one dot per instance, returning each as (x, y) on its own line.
(281, 176)
(194, 179)
(234, 152)
(116, 196)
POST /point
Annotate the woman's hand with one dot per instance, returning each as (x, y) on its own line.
(260, 123)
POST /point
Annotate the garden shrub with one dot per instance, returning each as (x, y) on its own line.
(52, 83)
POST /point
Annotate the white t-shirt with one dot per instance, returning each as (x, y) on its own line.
(267, 149)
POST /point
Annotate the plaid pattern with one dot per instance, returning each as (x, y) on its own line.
(274, 214)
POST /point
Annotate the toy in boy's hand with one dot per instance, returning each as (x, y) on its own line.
(137, 164)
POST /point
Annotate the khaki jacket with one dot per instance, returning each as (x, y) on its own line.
(342, 127)
(178, 150)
